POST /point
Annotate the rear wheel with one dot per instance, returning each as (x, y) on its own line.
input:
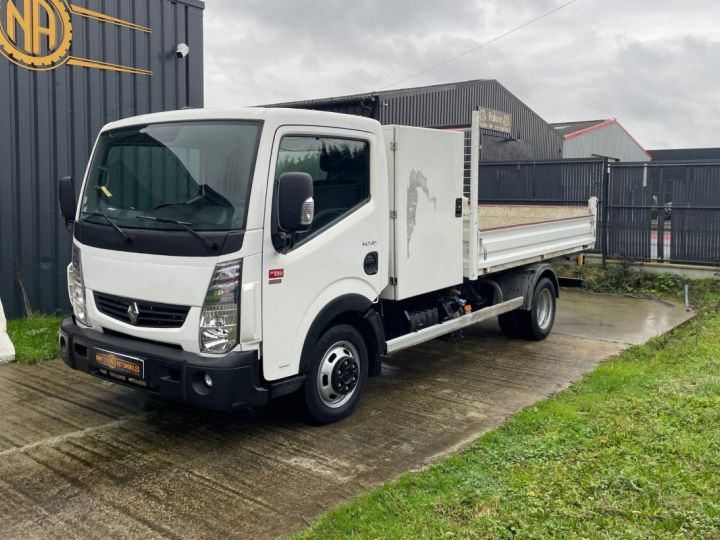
(541, 317)
(537, 323)
(336, 374)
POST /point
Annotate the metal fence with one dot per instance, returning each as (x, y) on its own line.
(567, 182)
(668, 211)
(663, 211)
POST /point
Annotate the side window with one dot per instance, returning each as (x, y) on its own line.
(340, 169)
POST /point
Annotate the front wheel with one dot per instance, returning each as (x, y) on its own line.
(336, 374)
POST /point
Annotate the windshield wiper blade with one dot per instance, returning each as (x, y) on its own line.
(209, 244)
(125, 236)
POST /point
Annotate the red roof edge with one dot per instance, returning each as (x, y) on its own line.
(605, 124)
(589, 129)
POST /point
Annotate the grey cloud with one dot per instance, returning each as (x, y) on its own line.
(651, 65)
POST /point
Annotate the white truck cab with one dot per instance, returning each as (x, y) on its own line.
(225, 258)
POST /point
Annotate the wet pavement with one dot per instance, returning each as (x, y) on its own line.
(81, 457)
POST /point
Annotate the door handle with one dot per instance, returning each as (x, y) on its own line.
(370, 264)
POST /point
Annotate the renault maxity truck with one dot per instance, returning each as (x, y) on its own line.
(223, 259)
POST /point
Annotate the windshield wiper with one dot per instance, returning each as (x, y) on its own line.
(209, 244)
(125, 236)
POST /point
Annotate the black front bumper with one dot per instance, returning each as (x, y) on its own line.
(170, 373)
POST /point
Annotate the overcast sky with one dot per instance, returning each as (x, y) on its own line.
(652, 64)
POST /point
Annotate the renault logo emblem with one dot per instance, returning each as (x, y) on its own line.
(133, 313)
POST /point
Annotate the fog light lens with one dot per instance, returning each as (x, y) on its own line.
(207, 379)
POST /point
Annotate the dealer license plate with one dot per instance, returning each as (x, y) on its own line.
(120, 363)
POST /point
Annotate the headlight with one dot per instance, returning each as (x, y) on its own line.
(219, 318)
(76, 287)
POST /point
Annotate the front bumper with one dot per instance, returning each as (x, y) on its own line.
(171, 373)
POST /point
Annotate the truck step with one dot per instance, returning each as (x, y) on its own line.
(432, 332)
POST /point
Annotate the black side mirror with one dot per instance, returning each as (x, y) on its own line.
(294, 208)
(68, 203)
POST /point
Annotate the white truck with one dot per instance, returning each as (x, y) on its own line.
(223, 259)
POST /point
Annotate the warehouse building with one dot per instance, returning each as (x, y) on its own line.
(66, 69)
(510, 129)
(600, 138)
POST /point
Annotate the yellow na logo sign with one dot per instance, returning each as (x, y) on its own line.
(35, 34)
(38, 34)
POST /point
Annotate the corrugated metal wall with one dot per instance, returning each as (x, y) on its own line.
(452, 105)
(49, 121)
(609, 141)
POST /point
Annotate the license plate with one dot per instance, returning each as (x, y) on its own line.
(121, 363)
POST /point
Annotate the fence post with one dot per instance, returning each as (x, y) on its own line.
(605, 210)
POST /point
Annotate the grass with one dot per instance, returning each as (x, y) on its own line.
(631, 451)
(35, 338)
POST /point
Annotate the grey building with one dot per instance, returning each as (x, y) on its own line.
(66, 69)
(600, 138)
(510, 129)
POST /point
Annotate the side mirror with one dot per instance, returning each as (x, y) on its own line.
(294, 207)
(68, 203)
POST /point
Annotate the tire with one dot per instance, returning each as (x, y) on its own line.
(336, 374)
(541, 317)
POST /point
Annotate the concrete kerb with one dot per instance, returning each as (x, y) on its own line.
(7, 350)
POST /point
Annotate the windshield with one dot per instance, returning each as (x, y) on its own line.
(198, 173)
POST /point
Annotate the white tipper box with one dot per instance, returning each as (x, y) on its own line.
(425, 172)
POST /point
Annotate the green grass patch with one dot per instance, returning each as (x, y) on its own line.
(35, 338)
(631, 451)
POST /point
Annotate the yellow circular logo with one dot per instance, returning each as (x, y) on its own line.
(112, 361)
(35, 34)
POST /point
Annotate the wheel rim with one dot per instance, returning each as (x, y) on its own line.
(544, 309)
(339, 374)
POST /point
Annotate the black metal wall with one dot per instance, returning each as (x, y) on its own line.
(665, 211)
(564, 182)
(50, 119)
(451, 105)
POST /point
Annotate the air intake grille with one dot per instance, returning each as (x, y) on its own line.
(147, 314)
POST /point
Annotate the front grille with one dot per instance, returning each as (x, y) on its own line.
(149, 314)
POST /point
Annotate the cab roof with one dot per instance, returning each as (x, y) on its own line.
(273, 116)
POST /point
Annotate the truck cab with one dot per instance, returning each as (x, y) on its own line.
(223, 258)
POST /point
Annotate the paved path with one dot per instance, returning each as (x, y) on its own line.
(83, 458)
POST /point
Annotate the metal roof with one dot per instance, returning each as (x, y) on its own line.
(685, 154)
(380, 93)
(567, 128)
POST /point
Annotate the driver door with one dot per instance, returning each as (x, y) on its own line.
(328, 261)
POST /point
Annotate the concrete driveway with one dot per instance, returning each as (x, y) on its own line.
(84, 458)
